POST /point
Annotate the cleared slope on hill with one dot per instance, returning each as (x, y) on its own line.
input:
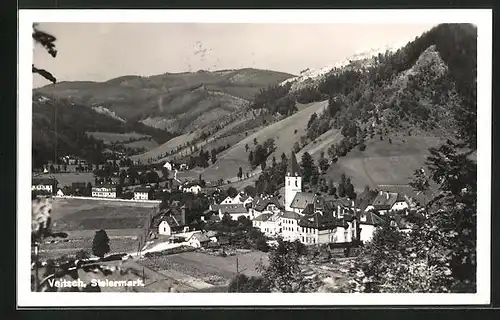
(384, 164)
(283, 134)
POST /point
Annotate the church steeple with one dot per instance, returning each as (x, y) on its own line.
(293, 167)
(293, 181)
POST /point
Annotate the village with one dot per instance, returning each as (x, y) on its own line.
(311, 218)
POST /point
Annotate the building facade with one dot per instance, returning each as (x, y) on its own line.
(104, 192)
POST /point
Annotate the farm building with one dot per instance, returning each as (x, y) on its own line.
(198, 240)
(192, 188)
(388, 201)
(104, 191)
(143, 193)
(234, 210)
(265, 204)
(48, 185)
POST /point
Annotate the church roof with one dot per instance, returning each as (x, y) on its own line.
(293, 166)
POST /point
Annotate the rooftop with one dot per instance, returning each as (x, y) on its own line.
(293, 167)
(302, 199)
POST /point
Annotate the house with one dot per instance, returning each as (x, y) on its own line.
(388, 201)
(169, 222)
(257, 222)
(184, 166)
(368, 223)
(343, 206)
(198, 240)
(265, 204)
(293, 182)
(234, 210)
(290, 225)
(240, 198)
(271, 227)
(48, 185)
(168, 166)
(104, 191)
(143, 193)
(192, 188)
(317, 226)
(60, 193)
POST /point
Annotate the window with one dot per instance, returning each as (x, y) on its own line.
(288, 182)
(296, 183)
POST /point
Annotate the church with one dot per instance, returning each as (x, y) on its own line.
(313, 219)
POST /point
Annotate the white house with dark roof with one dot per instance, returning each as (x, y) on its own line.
(264, 205)
(198, 240)
(258, 221)
(290, 225)
(368, 223)
(192, 188)
(388, 201)
(271, 227)
(234, 210)
(240, 198)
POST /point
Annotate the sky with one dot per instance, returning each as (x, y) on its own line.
(102, 51)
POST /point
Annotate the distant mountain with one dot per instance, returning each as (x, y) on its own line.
(173, 101)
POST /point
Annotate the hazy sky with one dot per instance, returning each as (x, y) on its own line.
(101, 51)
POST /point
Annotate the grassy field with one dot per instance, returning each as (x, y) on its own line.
(111, 137)
(168, 146)
(282, 132)
(202, 266)
(147, 144)
(383, 163)
(80, 218)
(67, 178)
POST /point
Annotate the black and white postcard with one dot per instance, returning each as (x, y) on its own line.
(295, 157)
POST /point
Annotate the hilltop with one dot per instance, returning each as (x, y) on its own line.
(177, 102)
(382, 113)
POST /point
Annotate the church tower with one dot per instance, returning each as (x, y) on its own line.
(293, 181)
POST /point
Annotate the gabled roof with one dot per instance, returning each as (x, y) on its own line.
(365, 199)
(211, 233)
(290, 215)
(142, 189)
(293, 168)
(370, 218)
(302, 199)
(172, 222)
(343, 202)
(260, 204)
(262, 217)
(320, 220)
(386, 200)
(199, 236)
(232, 208)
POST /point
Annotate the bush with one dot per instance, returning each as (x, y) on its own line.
(243, 283)
(362, 146)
